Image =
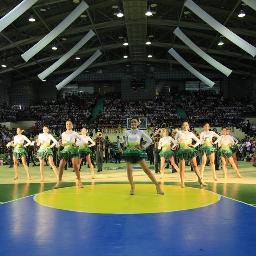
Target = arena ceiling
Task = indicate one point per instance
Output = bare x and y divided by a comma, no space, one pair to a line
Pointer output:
135,26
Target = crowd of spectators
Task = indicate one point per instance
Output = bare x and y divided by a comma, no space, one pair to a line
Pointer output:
169,110
195,107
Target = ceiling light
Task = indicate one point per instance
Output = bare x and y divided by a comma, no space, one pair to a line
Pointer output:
32,19
148,43
120,14
54,48
43,10
44,80
83,16
125,43
148,12
241,14
4,66
125,56
63,38
78,58
220,43
150,56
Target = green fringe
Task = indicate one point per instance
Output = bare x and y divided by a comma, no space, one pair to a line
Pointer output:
134,155
83,152
225,152
67,154
166,154
18,153
186,153
44,153
208,150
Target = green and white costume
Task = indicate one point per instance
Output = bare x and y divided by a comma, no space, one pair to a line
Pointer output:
19,148
84,144
165,145
70,150
225,143
133,138
186,150
45,150
206,142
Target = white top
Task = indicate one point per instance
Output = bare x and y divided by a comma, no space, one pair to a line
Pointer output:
69,137
133,138
225,140
208,136
186,137
20,139
165,143
84,141
44,139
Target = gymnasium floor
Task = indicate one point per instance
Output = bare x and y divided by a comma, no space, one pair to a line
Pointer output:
103,219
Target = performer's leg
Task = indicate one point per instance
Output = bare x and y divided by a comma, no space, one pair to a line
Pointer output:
234,166
162,166
204,159
24,162
234,156
130,178
88,160
79,163
212,164
76,169
196,169
54,168
182,172
224,166
15,167
151,176
62,165
173,164
41,161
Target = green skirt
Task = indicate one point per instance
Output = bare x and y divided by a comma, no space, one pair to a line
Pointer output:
227,153
208,150
186,153
83,152
18,153
166,154
44,153
67,154
134,155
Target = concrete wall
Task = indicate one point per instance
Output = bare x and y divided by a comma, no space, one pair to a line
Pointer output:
5,84
129,93
239,87
22,93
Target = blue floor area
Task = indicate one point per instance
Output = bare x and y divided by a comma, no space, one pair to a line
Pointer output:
225,228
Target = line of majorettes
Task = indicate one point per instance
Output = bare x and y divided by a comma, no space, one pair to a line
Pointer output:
76,147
